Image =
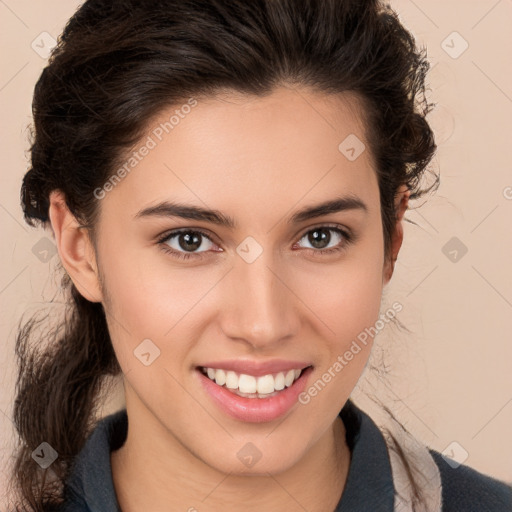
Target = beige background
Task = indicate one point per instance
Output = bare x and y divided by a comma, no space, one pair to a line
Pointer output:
450,381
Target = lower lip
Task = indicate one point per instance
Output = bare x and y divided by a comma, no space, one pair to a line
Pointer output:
255,410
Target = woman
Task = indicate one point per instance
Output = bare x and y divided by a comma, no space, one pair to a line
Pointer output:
226,183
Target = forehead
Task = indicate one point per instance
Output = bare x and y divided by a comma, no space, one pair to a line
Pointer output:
256,154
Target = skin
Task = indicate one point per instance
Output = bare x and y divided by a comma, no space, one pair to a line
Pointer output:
258,160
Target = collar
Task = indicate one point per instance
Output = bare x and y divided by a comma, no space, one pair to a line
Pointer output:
369,484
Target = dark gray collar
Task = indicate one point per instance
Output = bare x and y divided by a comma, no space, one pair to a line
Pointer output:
369,484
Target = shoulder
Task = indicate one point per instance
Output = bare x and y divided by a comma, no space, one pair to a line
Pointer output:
465,489
89,486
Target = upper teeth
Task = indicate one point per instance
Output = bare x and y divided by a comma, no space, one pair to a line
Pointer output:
249,384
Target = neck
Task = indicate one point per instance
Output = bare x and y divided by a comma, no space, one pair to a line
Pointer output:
153,472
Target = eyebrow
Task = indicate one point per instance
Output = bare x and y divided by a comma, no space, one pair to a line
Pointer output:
186,211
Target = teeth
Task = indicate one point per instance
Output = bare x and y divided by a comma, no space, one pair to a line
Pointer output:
248,385
220,377
264,385
289,378
279,381
231,379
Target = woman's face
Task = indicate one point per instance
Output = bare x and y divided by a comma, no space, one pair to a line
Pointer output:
261,293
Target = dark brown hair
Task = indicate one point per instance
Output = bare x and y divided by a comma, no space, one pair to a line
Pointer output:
117,64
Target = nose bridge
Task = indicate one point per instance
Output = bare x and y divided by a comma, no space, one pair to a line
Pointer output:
262,309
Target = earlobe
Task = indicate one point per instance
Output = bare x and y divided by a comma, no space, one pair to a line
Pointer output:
75,248
401,205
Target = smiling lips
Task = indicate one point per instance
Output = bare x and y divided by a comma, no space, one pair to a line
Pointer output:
253,391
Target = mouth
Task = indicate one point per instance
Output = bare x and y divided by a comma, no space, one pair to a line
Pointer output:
254,398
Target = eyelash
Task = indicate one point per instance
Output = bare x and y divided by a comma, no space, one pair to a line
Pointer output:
348,239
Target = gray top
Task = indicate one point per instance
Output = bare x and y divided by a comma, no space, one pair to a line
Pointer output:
369,485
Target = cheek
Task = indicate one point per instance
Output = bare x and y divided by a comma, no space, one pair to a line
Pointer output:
144,290
346,296
349,311
346,300
151,299
347,314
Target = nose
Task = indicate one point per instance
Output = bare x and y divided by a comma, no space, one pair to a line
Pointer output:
260,309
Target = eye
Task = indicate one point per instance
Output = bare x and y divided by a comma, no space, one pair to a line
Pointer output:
320,238
180,243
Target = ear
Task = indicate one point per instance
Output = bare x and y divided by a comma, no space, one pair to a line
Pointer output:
75,248
401,205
